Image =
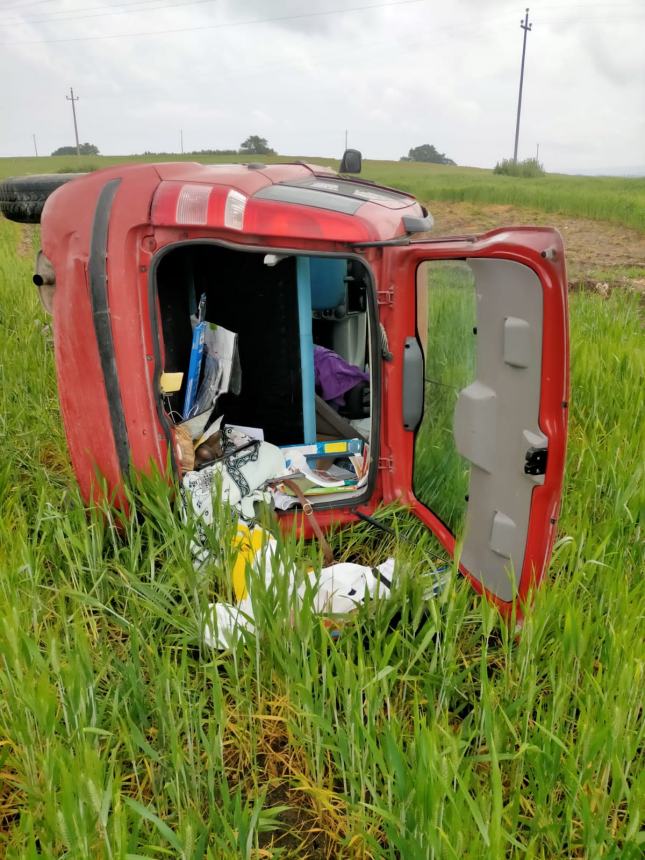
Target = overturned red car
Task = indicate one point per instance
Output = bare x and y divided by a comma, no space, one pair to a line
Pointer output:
459,343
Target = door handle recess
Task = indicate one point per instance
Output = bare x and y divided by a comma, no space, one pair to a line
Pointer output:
413,367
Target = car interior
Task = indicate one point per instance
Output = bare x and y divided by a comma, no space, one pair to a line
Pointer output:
298,320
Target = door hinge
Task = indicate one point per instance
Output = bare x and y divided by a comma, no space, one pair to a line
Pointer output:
386,463
385,297
535,461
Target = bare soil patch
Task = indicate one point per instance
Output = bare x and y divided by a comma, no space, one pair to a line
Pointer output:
25,247
599,254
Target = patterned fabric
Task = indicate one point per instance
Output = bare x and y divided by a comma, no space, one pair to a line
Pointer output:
234,463
240,475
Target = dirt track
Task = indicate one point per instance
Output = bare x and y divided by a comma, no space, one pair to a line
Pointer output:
598,252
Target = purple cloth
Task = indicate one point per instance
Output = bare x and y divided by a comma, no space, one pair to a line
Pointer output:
334,376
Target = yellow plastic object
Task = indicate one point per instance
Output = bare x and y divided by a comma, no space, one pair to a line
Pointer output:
248,543
335,447
170,382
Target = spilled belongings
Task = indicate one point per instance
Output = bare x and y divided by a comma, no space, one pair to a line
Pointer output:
333,593
243,472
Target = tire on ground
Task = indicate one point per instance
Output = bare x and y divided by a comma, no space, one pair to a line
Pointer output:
22,197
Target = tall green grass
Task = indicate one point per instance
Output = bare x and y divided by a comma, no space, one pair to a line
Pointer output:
621,201
441,474
422,731
530,168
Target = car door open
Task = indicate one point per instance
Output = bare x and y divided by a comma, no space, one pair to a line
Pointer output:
490,321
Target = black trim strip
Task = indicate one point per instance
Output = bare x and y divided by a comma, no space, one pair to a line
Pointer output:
381,577
97,271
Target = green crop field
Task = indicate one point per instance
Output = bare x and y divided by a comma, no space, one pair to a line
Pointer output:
621,201
427,729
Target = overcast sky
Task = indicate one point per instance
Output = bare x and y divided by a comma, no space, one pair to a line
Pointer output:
395,74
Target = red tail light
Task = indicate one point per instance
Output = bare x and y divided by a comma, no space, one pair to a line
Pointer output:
196,205
218,206
270,218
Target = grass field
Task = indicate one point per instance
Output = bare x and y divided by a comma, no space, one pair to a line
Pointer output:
441,474
620,201
415,734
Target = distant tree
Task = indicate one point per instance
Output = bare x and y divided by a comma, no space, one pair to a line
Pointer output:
86,149
427,153
256,145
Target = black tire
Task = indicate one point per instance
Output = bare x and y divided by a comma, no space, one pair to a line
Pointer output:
22,197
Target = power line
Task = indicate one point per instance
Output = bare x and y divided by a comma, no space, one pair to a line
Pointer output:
592,6
318,58
322,58
74,9
26,5
53,15
137,6
327,56
54,12
221,26
126,9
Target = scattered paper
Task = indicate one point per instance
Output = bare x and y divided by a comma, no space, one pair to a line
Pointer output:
251,432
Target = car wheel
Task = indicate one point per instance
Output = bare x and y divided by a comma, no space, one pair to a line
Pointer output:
22,197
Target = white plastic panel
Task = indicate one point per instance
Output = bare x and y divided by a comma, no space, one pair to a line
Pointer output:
476,425
503,535
517,342
496,417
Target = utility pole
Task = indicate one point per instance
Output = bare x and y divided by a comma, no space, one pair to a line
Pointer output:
181,140
526,27
537,152
35,147
345,139
72,98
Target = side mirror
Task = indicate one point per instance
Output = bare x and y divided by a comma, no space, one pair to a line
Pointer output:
351,162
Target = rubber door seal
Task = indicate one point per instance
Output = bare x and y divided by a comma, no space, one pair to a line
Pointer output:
97,270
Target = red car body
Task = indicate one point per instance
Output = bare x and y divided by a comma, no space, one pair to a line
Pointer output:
103,233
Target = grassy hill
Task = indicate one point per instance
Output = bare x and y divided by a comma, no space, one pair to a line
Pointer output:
620,201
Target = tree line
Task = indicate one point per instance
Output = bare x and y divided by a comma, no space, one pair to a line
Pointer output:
253,145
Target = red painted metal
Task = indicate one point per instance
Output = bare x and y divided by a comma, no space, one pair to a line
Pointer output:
540,249
132,243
